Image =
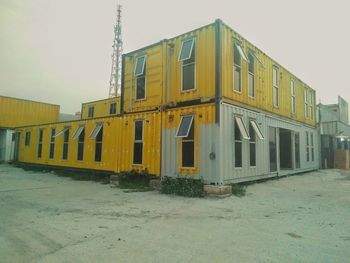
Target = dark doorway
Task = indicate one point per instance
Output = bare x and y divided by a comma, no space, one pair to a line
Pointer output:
286,159
272,149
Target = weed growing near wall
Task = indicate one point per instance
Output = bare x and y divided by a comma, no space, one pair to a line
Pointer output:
183,186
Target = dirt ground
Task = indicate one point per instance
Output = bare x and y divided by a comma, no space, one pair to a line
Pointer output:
47,218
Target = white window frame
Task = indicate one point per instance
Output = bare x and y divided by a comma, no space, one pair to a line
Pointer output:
96,130
292,96
93,111
311,104
138,141
275,87
242,128
252,74
257,129
241,52
191,50
189,127
78,131
306,103
61,132
187,64
143,66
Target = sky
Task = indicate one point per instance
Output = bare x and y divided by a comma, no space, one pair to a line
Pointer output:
59,51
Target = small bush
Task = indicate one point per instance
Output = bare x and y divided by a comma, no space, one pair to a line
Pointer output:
134,180
182,186
238,190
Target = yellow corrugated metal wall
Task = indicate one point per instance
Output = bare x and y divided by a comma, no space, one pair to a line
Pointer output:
17,112
263,79
203,114
101,107
117,147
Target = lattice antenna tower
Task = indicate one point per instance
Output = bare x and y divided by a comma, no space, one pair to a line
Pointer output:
115,80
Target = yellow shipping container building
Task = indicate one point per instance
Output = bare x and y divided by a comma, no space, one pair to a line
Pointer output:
206,104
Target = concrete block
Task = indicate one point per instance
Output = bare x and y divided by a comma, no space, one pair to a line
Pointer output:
113,180
218,190
155,184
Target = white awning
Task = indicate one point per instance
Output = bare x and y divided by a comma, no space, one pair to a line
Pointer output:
78,132
257,129
186,49
241,52
184,126
61,132
140,66
95,131
242,128
257,59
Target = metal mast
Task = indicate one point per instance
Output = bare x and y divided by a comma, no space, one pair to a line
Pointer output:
115,80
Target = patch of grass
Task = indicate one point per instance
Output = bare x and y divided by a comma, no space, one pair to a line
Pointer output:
238,190
182,186
135,181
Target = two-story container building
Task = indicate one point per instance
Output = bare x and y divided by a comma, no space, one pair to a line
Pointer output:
206,104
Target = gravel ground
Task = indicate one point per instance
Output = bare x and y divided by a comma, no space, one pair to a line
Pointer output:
47,218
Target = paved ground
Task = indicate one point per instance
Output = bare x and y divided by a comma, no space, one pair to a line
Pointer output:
46,218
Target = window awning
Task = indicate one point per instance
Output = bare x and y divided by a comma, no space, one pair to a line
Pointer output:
78,132
61,132
185,126
95,131
257,129
140,66
186,49
242,128
241,52
256,58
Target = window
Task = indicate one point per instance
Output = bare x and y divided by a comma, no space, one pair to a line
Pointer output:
239,132
61,132
27,139
297,150
292,95
186,132
275,86
80,136
52,143
65,144
306,101
97,135
188,58
40,143
140,74
307,147
138,142
251,75
91,112
257,130
184,127
238,55
113,108
312,146
98,145
252,145
311,105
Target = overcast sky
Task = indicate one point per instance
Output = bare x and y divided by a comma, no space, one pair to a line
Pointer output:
59,51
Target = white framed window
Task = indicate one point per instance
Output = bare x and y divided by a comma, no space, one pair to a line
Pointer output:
185,126
238,55
306,103
61,132
257,130
77,133
292,96
95,131
275,86
311,107
307,147
251,75
138,142
140,66
242,128
91,112
187,57
140,74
